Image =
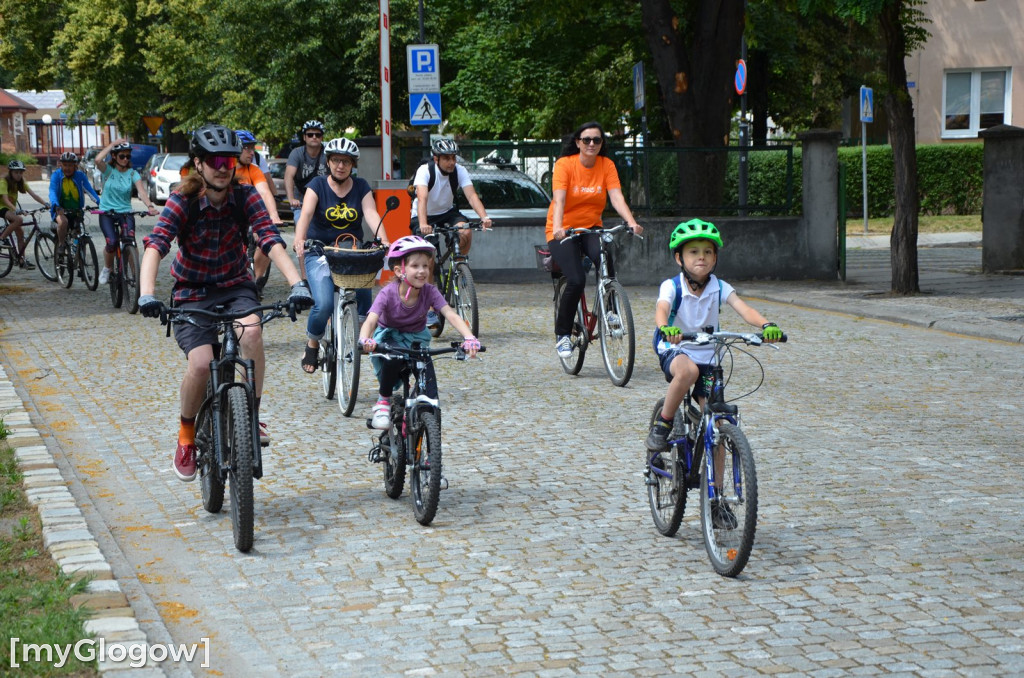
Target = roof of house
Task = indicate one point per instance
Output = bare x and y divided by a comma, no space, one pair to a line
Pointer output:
10,101
47,99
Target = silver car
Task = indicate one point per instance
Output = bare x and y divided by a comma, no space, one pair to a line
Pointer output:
163,170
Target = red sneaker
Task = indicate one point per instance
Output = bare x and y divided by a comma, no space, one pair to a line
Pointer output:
185,462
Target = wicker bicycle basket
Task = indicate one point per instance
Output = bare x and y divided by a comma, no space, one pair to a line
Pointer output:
352,267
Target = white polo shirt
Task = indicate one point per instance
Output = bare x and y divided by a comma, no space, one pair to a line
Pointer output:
694,313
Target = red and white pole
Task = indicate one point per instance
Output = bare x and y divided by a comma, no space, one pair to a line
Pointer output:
385,90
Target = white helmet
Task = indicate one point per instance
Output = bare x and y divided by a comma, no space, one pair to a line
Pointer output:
341,146
444,147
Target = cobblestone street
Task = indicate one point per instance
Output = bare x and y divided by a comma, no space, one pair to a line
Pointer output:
889,540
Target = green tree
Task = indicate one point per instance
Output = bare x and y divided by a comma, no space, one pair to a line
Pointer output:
28,29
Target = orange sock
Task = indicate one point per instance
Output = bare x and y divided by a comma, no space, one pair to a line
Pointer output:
187,432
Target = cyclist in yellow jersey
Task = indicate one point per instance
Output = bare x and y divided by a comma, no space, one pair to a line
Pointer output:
10,186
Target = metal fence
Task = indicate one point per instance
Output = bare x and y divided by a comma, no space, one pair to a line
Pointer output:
653,179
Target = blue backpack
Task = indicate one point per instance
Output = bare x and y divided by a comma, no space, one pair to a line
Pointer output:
677,298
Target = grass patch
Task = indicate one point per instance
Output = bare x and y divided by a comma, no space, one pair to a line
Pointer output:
955,223
34,594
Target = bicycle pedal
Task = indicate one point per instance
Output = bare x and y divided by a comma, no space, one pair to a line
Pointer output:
375,456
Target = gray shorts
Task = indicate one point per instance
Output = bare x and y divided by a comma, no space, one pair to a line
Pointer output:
237,298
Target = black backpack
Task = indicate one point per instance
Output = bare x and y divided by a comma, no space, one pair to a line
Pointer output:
432,177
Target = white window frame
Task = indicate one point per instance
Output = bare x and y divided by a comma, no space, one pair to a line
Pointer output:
974,119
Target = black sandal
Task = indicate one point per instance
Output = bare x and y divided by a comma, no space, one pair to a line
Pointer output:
311,358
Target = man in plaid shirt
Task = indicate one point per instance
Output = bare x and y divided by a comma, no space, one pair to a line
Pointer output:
211,269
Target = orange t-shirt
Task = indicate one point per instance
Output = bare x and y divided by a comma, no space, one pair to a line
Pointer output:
586,191
249,174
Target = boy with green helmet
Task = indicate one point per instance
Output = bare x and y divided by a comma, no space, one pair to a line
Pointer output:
687,303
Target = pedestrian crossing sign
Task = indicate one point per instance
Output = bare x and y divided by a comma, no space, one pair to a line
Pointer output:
425,108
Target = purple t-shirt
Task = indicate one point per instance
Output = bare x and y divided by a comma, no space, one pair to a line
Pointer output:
394,314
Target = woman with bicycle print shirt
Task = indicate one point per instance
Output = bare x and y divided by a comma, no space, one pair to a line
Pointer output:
335,205
584,180
118,180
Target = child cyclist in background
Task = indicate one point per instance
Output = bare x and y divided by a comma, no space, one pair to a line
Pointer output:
399,316
688,303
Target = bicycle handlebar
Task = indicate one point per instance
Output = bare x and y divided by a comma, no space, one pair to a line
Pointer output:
475,225
609,230
753,338
32,212
183,315
317,246
119,214
395,352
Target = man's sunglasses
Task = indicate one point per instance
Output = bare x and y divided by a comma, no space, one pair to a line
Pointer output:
221,162
316,135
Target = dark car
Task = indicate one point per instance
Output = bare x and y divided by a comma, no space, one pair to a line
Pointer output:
141,153
510,196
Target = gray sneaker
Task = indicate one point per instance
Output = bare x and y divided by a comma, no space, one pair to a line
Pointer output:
657,439
722,516
564,347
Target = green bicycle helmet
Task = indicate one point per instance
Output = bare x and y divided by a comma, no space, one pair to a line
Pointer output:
694,229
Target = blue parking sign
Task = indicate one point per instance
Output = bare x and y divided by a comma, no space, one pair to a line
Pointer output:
867,104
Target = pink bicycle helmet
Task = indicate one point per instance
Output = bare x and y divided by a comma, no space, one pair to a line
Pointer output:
408,244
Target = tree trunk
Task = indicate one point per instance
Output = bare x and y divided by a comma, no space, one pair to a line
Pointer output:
696,83
900,110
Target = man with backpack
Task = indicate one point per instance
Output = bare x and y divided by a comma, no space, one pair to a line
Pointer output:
305,162
210,220
435,184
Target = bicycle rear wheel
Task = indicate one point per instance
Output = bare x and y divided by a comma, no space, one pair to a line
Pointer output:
65,265
618,343
46,255
425,481
395,462
87,261
326,357
130,277
114,282
8,252
239,437
666,493
578,337
211,483
349,358
729,532
464,297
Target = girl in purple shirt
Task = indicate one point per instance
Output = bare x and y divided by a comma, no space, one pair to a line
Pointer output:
399,316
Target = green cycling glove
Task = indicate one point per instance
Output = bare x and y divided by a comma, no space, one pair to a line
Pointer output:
771,332
669,331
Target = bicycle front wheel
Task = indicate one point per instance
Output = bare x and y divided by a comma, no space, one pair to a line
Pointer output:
730,519
114,282
211,483
239,437
618,343
8,252
578,337
425,480
349,357
87,261
444,284
328,365
130,277
464,297
665,480
46,255
65,265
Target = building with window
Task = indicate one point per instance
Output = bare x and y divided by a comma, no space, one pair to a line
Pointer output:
969,76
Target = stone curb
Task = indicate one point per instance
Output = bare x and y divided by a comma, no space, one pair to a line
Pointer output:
71,544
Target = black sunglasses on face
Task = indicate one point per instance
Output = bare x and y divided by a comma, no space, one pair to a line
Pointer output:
124,156
590,140
314,134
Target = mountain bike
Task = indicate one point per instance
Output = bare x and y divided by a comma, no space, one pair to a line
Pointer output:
124,271
10,254
611,320
708,450
413,440
339,353
77,253
227,432
454,277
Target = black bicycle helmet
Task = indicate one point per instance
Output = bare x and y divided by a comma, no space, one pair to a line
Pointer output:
214,140
15,165
123,146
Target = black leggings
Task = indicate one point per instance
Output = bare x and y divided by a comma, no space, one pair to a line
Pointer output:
392,371
568,254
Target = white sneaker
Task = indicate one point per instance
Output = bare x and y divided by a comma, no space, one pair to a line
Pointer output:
381,416
564,347
104,275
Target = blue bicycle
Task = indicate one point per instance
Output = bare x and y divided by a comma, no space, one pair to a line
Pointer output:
708,450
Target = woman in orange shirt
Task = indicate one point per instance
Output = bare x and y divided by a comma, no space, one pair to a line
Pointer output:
583,181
